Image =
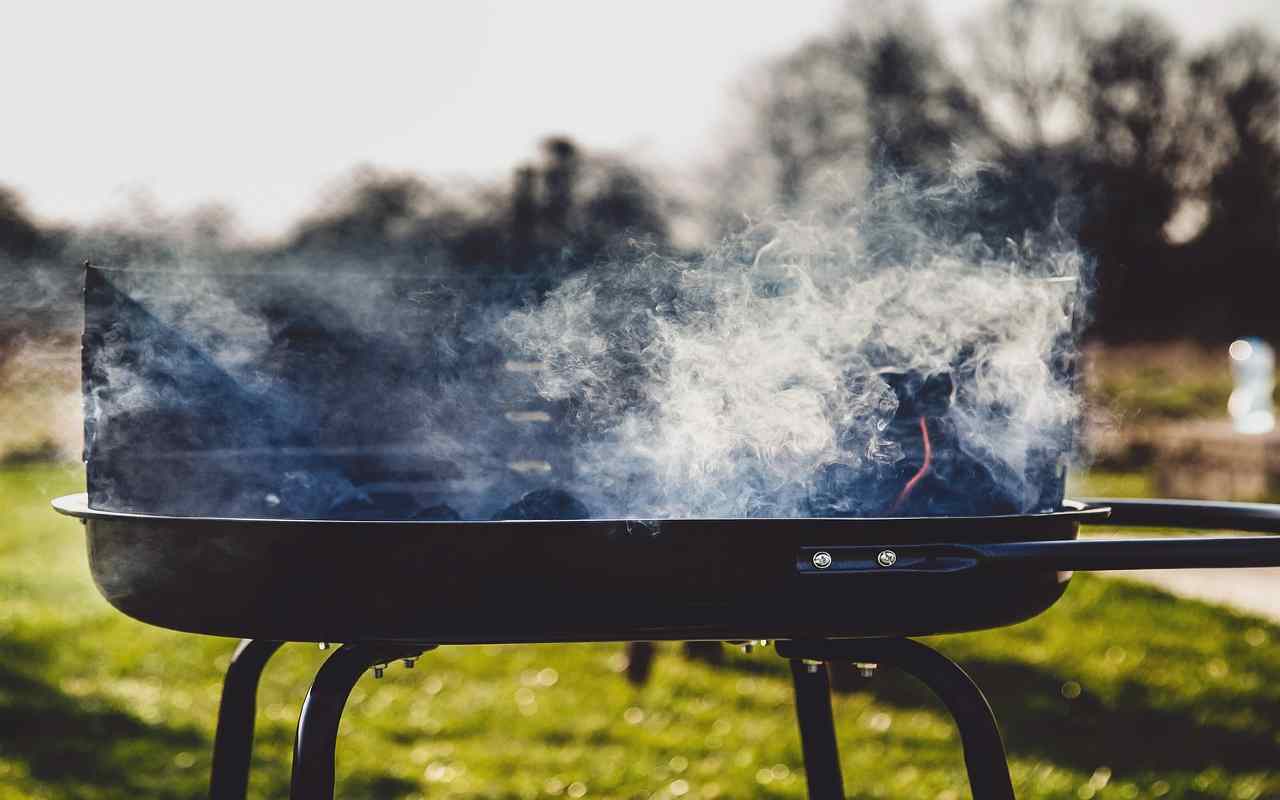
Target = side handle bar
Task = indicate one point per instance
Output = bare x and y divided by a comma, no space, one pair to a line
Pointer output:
1165,552
1188,514
1069,555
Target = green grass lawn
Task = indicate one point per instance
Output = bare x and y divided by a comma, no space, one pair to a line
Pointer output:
1117,692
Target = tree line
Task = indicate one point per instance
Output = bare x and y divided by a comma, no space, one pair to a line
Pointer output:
1162,160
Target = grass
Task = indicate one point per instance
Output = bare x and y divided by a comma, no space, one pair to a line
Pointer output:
1103,483
1119,691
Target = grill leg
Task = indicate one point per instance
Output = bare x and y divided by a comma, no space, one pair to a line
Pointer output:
817,730
639,662
233,739
315,747
984,755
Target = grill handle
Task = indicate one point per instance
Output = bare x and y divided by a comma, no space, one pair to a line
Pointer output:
1071,555
1093,555
1087,555
1197,514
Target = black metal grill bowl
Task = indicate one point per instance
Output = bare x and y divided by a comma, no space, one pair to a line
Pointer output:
597,580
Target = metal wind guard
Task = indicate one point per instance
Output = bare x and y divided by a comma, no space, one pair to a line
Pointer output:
252,395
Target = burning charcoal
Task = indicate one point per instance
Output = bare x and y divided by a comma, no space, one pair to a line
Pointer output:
545,504
355,506
923,403
946,480
919,395
841,491
379,505
438,513
391,505
317,495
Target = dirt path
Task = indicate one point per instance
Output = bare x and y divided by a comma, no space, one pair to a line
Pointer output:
1256,591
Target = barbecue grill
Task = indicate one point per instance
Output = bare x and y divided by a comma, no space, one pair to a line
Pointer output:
193,524
825,589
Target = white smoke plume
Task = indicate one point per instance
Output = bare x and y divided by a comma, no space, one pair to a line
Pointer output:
730,384
757,379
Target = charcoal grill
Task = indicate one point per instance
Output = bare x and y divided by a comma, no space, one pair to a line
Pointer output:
825,589
188,527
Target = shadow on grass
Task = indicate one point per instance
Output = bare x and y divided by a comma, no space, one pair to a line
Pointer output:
383,787
70,743
1133,730
1129,733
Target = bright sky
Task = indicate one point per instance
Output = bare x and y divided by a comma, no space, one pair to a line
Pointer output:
259,106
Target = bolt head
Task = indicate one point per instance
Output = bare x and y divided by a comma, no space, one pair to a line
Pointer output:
886,558
822,559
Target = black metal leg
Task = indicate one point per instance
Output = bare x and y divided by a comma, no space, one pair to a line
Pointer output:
984,754
233,739
315,747
817,730
708,652
639,662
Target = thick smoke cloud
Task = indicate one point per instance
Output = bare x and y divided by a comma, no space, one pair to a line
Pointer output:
738,384
784,373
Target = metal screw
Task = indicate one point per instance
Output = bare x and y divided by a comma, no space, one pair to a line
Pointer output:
812,666
378,669
324,645
865,668
408,663
886,558
822,559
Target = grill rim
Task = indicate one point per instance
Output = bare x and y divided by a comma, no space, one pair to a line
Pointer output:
77,505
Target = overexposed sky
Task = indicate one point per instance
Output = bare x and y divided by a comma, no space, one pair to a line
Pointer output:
260,105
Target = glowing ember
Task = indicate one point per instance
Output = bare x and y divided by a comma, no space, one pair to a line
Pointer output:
920,473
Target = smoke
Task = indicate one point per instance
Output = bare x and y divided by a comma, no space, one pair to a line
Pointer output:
738,383
789,371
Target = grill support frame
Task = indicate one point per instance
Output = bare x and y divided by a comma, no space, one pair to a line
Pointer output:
233,738
315,745
984,753
821,753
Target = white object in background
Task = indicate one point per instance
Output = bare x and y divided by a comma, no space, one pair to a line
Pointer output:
1253,365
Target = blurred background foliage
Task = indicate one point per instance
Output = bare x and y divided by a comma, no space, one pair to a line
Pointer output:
1164,161
1093,121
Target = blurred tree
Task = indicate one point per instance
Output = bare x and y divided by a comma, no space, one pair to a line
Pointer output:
1129,155
20,237
1235,192
1090,121
27,289
876,93
1027,60
563,212
919,110
559,174
373,212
